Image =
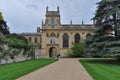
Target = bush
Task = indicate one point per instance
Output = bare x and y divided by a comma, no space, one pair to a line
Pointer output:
16,43
76,51
2,38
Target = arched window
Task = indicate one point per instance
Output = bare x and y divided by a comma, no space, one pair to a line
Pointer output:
65,41
29,38
88,35
52,35
52,21
47,35
77,38
52,38
35,40
57,35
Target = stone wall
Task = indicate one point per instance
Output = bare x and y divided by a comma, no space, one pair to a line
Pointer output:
10,55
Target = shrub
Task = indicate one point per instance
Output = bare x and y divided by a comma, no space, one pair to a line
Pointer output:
76,51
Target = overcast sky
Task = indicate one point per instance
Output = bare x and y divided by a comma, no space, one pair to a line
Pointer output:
26,15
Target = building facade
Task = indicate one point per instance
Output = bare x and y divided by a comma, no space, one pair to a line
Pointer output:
55,38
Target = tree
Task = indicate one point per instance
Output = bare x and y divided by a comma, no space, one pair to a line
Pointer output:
1,17
3,26
76,51
101,44
19,42
108,13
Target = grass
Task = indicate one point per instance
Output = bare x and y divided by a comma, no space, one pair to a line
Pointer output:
102,69
15,70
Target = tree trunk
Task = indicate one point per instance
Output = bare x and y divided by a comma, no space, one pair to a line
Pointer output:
115,26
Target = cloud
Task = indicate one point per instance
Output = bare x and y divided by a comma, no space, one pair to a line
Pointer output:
26,15
32,6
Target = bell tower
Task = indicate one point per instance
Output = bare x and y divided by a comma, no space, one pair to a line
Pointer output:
52,17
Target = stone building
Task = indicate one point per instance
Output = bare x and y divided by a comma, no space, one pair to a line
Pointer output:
54,37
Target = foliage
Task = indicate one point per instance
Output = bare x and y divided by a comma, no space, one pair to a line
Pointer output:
76,51
16,70
108,14
16,43
3,27
14,53
99,69
101,44
19,42
1,17
2,41
2,38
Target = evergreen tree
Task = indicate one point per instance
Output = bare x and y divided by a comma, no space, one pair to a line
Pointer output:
107,19
108,13
3,26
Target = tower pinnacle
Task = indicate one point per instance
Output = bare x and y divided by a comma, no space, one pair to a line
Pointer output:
47,9
58,8
70,22
82,22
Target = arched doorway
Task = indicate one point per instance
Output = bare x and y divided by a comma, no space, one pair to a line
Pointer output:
52,52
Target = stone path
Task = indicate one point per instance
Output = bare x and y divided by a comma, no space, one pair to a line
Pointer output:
64,69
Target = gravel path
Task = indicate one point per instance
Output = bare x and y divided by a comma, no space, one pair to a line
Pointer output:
64,69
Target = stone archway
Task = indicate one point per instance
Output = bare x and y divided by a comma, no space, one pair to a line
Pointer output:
52,52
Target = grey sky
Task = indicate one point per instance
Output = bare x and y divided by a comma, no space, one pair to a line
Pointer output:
26,15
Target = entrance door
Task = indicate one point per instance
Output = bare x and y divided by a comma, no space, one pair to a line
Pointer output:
52,52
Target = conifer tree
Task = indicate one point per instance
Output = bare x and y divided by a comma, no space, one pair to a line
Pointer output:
107,20
3,26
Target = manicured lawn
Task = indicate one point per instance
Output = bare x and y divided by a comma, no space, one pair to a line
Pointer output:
15,70
102,69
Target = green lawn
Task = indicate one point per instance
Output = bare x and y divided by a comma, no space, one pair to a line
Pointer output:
102,69
15,70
